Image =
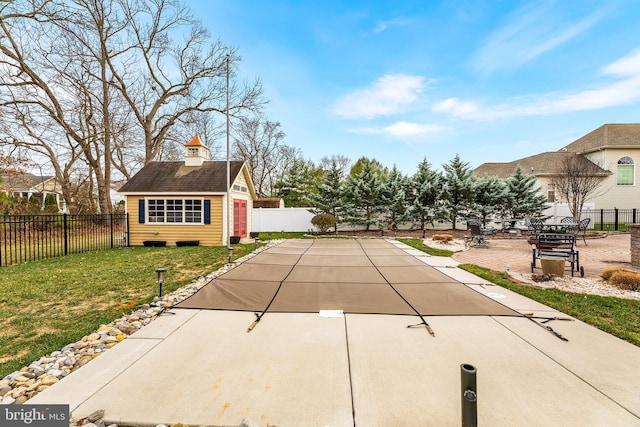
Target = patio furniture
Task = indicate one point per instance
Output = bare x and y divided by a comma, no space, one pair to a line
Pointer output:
509,226
570,224
478,234
583,225
557,246
535,226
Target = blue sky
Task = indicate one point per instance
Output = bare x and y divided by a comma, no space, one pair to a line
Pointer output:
401,80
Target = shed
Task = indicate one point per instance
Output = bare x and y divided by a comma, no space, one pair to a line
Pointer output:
176,202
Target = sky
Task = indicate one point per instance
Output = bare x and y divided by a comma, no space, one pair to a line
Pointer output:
400,81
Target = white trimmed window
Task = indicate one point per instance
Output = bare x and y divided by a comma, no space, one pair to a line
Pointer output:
626,171
175,211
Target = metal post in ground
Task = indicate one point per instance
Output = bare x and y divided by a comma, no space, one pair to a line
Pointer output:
469,396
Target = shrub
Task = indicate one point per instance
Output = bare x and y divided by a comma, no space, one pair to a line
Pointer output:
624,279
444,238
606,274
542,277
323,222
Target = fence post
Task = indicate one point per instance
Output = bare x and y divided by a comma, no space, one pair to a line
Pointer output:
633,215
111,228
601,219
615,221
66,234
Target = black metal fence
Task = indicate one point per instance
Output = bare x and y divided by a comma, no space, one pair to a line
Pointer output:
612,219
26,238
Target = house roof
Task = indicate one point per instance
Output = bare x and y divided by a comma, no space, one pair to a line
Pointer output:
539,165
23,182
625,135
175,177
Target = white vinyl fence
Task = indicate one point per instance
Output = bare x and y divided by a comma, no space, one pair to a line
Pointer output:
279,219
299,219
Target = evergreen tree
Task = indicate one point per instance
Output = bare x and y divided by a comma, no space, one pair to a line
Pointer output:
425,185
457,191
328,194
523,198
363,192
490,195
296,186
394,199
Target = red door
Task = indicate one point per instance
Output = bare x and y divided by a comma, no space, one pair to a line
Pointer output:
240,218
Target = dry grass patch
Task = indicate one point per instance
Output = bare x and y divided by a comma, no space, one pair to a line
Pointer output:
622,279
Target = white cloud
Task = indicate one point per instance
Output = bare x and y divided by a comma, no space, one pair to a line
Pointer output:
624,90
456,108
531,31
384,25
403,129
626,66
389,95
400,130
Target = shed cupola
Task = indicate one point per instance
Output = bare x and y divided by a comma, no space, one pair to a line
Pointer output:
196,152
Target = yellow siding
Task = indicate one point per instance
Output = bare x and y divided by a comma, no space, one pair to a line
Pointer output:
208,234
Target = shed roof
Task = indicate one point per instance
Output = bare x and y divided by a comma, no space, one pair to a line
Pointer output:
175,177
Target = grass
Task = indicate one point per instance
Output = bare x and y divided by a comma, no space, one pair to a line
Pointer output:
417,244
268,235
618,316
48,304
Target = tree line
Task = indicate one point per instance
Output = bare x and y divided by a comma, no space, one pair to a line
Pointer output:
97,88
372,196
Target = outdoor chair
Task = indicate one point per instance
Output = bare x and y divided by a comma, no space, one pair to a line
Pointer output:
582,229
478,234
571,224
535,226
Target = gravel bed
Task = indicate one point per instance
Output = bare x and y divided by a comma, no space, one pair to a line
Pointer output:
581,285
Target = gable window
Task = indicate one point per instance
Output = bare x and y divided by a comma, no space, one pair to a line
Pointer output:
175,211
626,171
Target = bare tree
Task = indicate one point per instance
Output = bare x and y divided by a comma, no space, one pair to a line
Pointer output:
259,143
336,160
576,180
110,84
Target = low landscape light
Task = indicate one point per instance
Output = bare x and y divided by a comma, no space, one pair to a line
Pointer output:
230,250
162,274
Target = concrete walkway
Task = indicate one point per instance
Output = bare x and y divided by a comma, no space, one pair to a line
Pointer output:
201,367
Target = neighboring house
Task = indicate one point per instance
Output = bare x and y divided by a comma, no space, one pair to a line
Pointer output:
32,186
186,201
613,148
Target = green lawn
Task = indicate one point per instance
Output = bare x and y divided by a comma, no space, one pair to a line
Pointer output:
48,304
